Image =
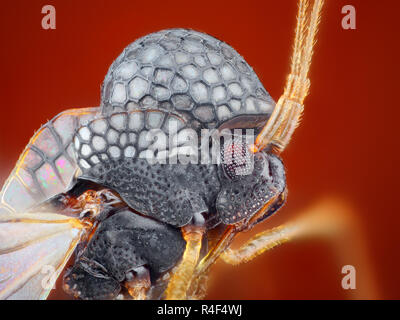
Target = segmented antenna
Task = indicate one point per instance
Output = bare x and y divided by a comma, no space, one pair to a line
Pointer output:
286,115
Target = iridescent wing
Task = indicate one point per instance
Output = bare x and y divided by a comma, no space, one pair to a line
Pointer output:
34,248
47,165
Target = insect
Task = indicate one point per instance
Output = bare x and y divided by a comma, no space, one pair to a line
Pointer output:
100,184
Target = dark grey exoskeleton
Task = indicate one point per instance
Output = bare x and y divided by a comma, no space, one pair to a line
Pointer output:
159,97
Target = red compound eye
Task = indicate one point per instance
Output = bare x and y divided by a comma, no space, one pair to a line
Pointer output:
236,158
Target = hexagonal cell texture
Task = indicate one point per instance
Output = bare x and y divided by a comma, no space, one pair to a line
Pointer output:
193,73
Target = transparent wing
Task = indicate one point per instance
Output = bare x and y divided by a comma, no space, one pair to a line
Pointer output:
47,165
34,249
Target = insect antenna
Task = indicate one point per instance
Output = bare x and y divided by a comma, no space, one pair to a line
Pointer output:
287,112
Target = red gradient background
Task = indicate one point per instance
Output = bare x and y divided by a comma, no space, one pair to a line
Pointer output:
346,146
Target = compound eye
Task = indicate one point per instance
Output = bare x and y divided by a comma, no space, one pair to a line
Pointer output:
236,158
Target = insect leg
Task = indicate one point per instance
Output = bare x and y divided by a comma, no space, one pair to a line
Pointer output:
327,219
198,288
228,236
181,279
330,219
261,242
140,283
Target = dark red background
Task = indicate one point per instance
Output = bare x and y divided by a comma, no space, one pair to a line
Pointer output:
346,146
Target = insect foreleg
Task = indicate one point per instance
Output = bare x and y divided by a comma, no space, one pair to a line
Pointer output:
139,284
181,279
327,219
198,288
261,242
330,219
